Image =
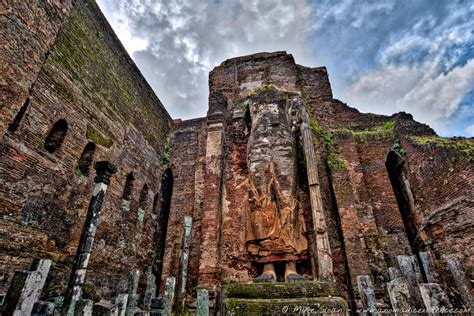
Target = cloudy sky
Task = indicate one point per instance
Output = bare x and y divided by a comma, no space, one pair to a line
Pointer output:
382,56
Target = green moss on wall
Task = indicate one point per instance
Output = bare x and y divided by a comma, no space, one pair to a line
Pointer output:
386,130
460,144
88,61
93,135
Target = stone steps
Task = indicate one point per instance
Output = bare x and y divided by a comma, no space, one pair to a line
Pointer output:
278,298
286,306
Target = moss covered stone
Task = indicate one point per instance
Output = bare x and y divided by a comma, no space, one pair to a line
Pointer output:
293,306
460,144
280,290
93,135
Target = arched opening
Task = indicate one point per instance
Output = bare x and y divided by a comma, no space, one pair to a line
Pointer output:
163,205
128,188
86,158
13,126
143,200
401,187
56,136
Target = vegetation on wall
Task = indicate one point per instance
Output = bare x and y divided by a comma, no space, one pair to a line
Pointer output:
460,144
95,136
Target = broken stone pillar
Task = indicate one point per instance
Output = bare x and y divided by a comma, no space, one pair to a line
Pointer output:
43,308
186,243
323,250
367,294
410,270
435,299
104,170
105,308
461,280
400,298
133,297
393,273
121,300
133,283
169,295
150,290
25,288
428,266
202,308
84,307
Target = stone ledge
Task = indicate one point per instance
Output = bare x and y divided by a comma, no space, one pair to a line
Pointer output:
280,290
292,306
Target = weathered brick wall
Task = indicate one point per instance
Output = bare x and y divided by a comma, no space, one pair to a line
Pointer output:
89,80
28,29
441,175
188,144
365,226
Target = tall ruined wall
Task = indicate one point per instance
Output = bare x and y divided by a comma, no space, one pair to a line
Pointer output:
27,32
89,81
367,221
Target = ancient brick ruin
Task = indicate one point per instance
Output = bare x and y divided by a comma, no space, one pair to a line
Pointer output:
108,206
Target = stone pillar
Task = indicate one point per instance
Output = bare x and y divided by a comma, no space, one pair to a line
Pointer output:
367,294
84,308
121,301
399,296
202,302
25,288
133,298
104,170
169,295
435,299
210,223
410,270
461,280
150,290
185,246
428,266
323,250
393,273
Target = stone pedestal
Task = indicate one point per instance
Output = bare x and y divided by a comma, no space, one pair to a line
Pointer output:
283,298
25,288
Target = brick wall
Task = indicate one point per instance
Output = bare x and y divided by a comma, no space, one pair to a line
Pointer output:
88,80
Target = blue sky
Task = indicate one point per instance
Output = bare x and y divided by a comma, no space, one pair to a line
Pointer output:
382,56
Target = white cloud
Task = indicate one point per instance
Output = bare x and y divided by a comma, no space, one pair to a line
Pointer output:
431,97
470,130
383,56
176,43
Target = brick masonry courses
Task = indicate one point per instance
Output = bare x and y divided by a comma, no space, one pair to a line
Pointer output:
64,62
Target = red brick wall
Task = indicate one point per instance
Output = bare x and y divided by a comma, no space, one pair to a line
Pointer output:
89,80
27,32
